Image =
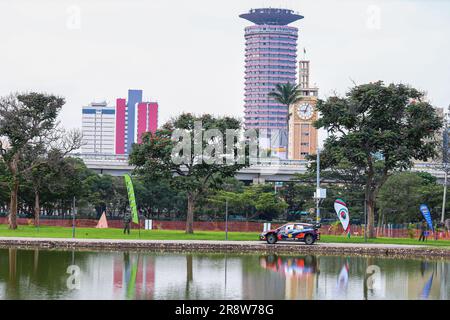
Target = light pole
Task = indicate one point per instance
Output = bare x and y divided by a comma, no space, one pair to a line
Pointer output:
444,198
73,219
445,162
226,219
365,220
318,187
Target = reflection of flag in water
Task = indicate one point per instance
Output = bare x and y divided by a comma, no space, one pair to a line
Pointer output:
427,288
343,277
131,285
134,278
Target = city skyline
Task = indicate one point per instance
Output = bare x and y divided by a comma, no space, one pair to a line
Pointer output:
377,40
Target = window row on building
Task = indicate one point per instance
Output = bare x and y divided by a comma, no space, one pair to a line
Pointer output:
270,49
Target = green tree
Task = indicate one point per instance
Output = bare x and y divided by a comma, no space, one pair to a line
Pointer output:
378,129
399,198
260,200
101,192
402,194
196,173
3,187
286,94
339,183
43,162
25,119
158,197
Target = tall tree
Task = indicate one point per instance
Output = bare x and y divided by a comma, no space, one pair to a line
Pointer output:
43,162
378,129
203,166
24,120
286,94
259,199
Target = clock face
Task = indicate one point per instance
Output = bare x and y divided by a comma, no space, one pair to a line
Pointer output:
305,111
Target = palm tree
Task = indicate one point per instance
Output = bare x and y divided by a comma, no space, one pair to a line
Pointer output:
287,94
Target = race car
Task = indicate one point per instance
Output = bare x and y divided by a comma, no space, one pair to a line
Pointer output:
304,232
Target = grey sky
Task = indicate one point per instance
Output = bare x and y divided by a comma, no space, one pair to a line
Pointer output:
189,55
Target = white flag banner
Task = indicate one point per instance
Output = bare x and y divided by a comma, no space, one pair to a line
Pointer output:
342,211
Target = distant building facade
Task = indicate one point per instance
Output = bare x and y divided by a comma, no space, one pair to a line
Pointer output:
113,130
147,119
270,59
303,136
98,126
134,98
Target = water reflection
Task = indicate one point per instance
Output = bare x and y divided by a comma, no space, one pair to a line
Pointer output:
44,274
300,274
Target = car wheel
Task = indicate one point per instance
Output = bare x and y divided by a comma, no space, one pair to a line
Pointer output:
271,239
309,239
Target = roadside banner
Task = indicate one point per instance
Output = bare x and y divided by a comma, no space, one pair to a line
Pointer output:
342,212
131,198
427,215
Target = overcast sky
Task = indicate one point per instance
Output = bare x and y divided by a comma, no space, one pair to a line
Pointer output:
189,55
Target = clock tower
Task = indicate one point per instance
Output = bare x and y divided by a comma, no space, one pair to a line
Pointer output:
303,137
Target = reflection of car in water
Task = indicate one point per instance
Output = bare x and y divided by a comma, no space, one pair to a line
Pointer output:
290,266
305,232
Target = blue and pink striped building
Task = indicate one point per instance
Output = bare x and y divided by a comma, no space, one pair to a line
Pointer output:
109,130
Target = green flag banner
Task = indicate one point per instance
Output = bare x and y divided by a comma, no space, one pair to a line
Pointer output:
131,288
131,198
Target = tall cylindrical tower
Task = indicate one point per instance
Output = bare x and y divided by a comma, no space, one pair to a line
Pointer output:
270,59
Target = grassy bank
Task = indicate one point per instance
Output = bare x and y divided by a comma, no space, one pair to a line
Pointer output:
92,233
402,241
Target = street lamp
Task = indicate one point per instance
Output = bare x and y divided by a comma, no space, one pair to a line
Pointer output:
445,163
320,194
318,187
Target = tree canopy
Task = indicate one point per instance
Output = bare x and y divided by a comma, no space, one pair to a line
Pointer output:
198,165
378,129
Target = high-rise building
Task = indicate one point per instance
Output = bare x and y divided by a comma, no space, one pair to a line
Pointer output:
133,118
121,126
303,136
270,59
134,98
113,130
98,126
147,119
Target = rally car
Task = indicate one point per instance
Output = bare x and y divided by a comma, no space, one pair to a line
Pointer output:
304,232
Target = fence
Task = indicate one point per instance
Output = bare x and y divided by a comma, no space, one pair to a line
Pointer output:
388,231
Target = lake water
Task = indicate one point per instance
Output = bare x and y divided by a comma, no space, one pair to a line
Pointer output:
40,274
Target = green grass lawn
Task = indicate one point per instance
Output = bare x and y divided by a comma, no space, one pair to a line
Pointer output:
92,233
403,241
